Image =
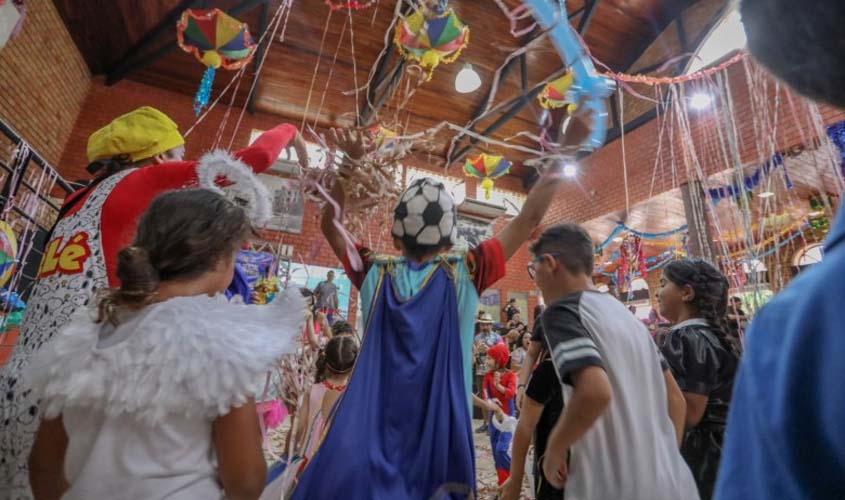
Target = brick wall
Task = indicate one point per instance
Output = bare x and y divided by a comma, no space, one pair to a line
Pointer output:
104,103
43,81
601,190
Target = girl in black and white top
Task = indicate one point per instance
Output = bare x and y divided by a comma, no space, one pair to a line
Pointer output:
694,297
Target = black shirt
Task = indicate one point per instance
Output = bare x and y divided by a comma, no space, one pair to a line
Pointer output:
702,364
545,389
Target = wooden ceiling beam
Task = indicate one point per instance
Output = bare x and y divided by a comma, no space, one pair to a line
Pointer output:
128,66
166,24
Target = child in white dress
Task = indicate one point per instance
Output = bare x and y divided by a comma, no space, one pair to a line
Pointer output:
153,397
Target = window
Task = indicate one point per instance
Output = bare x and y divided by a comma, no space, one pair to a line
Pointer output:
728,36
455,186
510,200
316,155
810,255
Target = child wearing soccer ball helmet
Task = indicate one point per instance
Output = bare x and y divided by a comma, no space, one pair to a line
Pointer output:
406,409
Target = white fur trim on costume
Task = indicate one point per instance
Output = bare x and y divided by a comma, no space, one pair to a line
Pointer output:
193,356
219,163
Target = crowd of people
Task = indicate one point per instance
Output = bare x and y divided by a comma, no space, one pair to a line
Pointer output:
152,392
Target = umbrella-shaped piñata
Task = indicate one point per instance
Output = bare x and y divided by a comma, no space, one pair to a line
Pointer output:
8,253
488,168
553,95
216,40
430,38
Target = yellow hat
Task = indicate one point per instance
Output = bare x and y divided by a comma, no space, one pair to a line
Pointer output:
140,134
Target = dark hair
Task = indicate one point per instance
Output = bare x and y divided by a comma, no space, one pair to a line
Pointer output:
711,292
801,44
337,357
571,243
181,235
342,327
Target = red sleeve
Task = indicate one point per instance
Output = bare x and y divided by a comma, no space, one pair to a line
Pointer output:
357,277
509,382
486,264
267,148
486,385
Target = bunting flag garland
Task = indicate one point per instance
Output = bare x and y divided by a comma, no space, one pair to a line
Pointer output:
218,41
750,181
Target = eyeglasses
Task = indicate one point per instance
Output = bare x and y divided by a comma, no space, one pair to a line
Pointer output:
532,266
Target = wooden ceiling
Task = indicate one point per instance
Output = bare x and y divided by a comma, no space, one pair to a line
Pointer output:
127,38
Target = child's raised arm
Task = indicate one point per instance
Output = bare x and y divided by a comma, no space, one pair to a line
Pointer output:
240,459
46,461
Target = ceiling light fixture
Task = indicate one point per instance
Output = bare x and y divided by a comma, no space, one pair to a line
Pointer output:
701,101
570,170
467,80
618,239
766,194
817,213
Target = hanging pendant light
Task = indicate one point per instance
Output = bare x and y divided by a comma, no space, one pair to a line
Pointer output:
467,80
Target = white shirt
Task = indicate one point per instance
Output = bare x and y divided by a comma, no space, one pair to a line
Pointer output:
138,400
631,451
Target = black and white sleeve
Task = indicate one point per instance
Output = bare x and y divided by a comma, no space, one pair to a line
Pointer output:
571,345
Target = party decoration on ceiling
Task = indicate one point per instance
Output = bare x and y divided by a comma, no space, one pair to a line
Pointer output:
429,38
8,253
589,90
749,182
488,168
836,132
382,136
553,95
218,41
350,4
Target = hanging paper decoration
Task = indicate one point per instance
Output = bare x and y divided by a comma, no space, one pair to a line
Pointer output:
216,40
431,38
553,95
487,168
749,182
382,136
349,4
818,217
8,253
632,259
836,132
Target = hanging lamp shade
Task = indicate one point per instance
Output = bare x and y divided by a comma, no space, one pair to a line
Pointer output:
429,38
553,95
487,168
217,40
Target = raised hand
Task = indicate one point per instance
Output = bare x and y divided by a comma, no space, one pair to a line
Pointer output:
354,143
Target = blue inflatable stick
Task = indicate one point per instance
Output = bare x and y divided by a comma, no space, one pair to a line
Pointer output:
589,89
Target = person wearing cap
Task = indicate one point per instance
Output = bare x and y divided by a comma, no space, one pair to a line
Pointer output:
134,158
407,407
486,338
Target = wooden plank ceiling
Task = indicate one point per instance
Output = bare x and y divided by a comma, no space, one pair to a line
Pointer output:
617,33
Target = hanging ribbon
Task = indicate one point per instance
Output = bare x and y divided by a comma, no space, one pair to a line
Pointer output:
750,181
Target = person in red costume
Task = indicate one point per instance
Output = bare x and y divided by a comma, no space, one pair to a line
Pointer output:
134,158
499,385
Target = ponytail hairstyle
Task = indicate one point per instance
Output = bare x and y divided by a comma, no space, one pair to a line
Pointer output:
711,293
182,235
338,357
